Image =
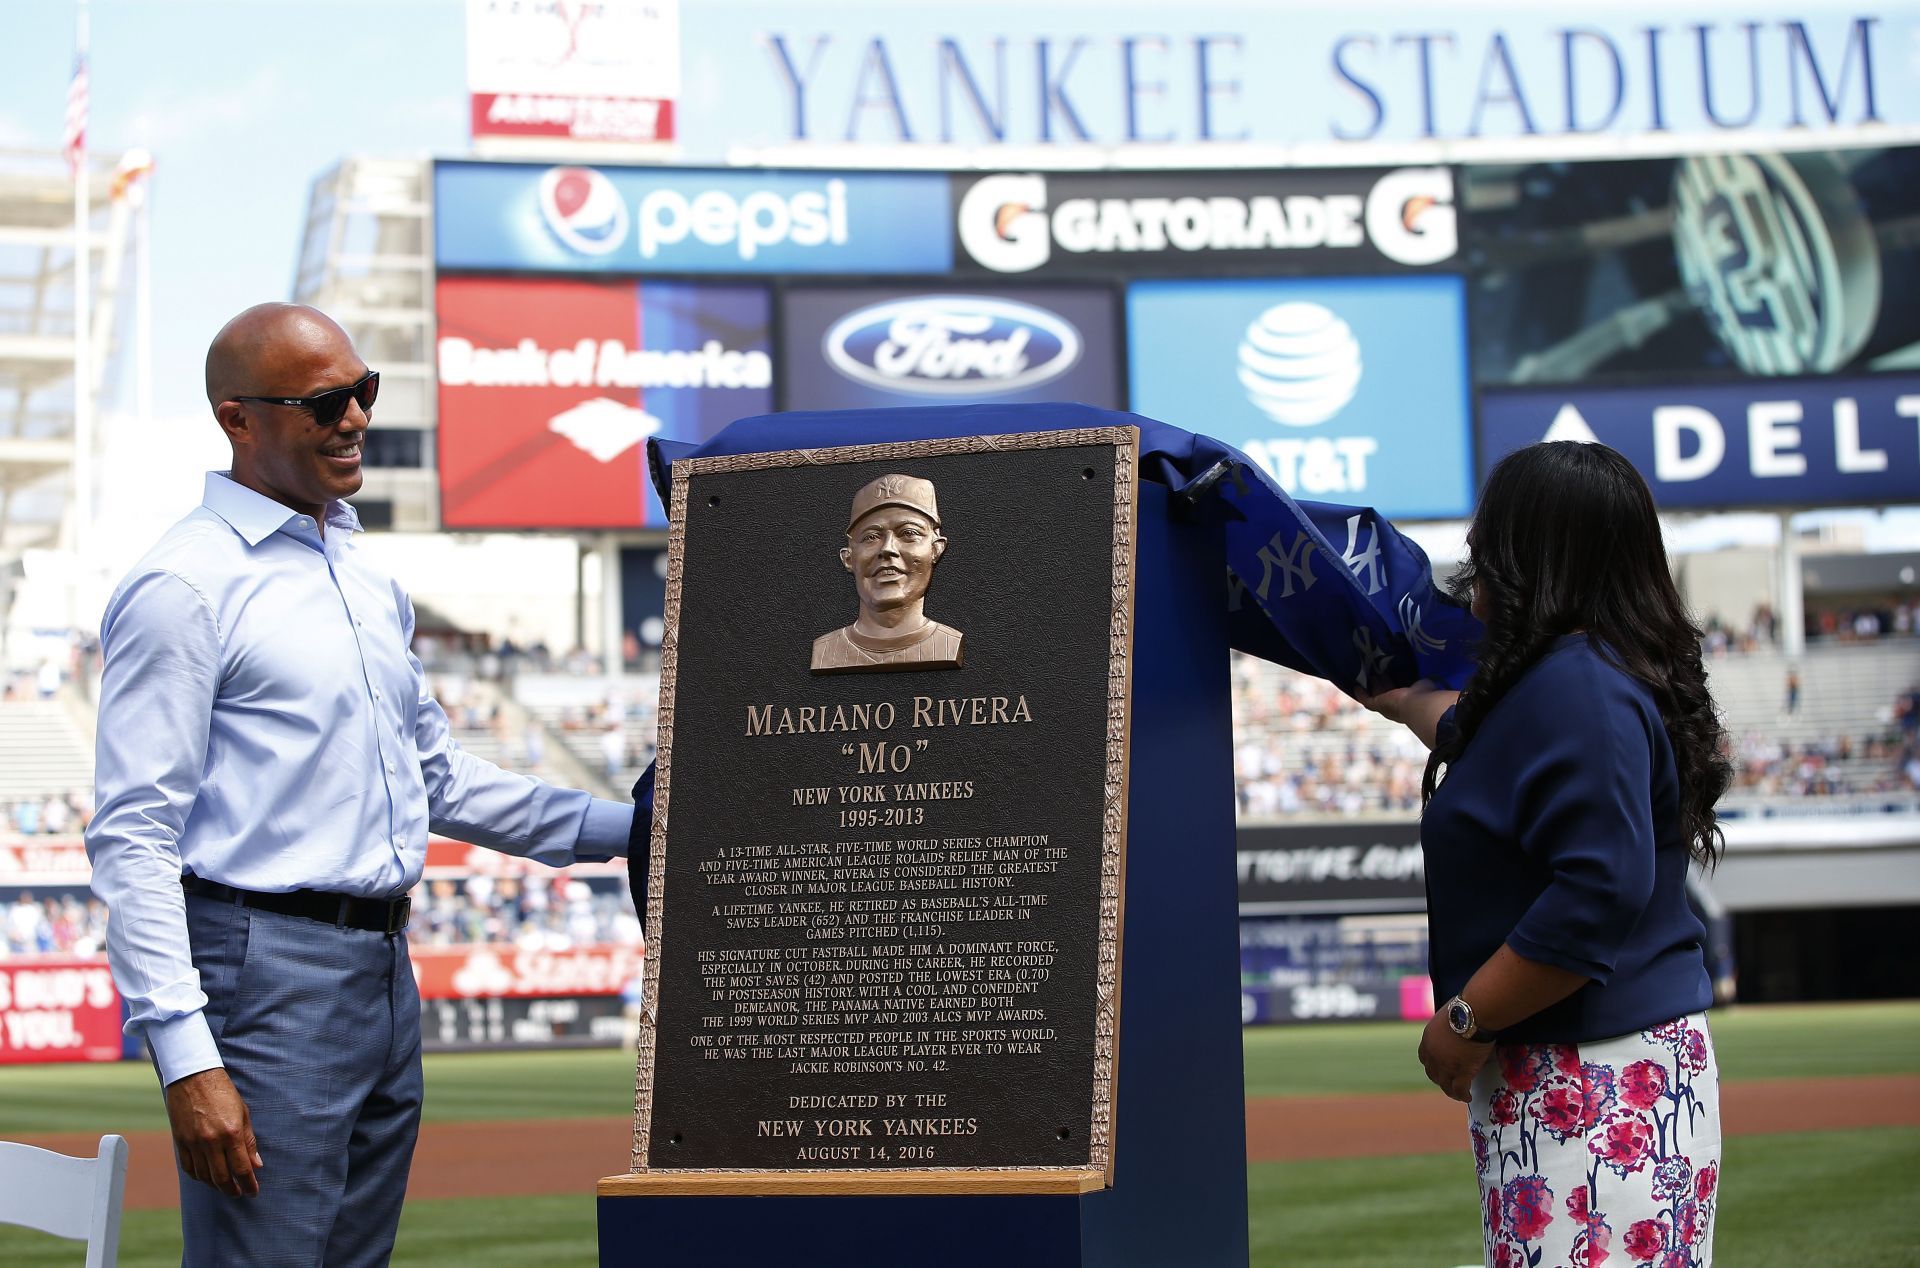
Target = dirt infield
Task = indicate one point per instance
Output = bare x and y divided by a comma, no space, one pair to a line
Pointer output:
511,1157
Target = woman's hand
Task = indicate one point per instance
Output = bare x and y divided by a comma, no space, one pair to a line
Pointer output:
1418,708
1450,1061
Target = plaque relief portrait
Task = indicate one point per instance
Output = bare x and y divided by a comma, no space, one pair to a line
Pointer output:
893,543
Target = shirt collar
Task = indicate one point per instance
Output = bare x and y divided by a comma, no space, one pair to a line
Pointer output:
256,517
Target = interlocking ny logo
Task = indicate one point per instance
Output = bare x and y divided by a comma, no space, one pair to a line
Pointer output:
1410,622
1292,562
1373,660
1368,559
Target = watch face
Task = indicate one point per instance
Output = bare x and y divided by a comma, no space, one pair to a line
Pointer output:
1459,1017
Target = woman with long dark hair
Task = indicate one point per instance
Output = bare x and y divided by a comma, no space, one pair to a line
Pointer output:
1570,785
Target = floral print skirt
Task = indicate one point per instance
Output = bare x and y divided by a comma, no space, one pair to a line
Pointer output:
1600,1153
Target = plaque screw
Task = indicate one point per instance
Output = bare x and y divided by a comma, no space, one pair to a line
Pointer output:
1064,1133
714,500
676,1137
1086,473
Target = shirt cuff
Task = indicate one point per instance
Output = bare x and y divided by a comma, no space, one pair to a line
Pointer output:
604,830
182,1045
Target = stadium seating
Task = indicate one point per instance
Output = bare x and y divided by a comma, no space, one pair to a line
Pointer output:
43,750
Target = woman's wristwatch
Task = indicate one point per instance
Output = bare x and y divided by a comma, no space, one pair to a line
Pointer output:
1460,1020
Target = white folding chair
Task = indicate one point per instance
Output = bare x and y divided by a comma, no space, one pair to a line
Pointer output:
75,1198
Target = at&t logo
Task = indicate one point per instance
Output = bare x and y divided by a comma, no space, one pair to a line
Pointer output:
583,210
1300,364
944,345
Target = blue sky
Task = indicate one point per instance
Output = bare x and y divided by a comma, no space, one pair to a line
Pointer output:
243,103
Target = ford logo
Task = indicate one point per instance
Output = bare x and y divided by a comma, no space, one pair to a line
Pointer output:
946,345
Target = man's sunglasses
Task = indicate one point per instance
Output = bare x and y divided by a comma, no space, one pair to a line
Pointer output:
330,406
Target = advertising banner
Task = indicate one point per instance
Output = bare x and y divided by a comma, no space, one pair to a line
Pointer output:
549,387
607,71
1344,389
1318,968
1178,81
1665,270
1341,220
674,220
58,1009
44,860
852,347
1757,443
506,972
1331,867
588,1021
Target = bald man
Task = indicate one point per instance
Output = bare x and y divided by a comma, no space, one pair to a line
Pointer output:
269,765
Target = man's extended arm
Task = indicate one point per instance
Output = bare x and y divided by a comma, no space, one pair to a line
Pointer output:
473,800
161,645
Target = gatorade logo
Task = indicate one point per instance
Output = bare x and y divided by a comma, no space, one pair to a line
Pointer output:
1006,223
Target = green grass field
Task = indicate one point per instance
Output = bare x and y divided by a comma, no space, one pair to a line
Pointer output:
1840,1198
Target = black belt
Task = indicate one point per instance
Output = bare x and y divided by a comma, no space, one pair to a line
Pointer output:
381,915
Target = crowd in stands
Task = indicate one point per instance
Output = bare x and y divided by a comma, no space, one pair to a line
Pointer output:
64,814
1766,767
1304,748
1762,629
71,923
1894,618
1301,746
534,913
1847,623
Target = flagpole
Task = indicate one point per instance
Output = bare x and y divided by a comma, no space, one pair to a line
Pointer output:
82,326
143,301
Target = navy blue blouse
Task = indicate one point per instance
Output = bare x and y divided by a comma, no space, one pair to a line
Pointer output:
1557,831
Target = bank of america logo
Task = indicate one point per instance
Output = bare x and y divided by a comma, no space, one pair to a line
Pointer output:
1299,363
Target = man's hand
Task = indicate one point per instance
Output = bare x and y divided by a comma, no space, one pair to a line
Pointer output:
213,1133
1450,1061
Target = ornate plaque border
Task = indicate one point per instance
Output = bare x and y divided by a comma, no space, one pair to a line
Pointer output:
1126,444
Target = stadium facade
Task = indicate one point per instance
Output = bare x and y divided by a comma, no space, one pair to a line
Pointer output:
1373,251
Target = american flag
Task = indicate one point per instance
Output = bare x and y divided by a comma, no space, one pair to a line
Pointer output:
75,141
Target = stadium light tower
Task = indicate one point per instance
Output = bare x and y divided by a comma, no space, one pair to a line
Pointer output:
41,452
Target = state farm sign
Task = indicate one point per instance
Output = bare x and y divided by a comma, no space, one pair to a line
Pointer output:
58,1010
497,972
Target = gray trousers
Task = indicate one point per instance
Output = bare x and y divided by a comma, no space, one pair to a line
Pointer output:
319,1028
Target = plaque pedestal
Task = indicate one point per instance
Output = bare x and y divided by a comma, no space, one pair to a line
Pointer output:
1179,1192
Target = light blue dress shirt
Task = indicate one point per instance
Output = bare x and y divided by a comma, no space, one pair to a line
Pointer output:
265,724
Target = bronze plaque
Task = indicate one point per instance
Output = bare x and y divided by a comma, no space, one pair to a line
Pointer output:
890,809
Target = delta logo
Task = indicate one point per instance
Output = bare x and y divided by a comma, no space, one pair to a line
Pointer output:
583,210
947,345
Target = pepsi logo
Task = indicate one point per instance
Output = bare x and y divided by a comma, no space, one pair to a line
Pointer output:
1299,363
946,345
583,209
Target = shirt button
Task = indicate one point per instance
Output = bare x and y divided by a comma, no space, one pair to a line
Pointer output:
376,693
389,768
